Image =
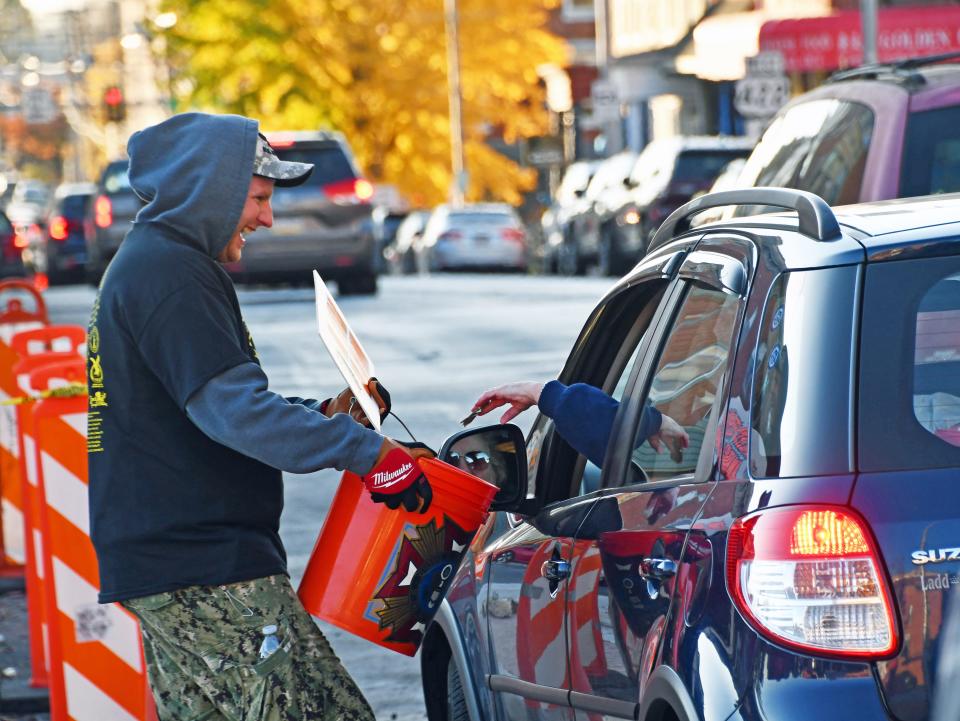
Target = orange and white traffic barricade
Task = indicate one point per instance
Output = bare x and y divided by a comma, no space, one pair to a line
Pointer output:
21,308
97,672
29,345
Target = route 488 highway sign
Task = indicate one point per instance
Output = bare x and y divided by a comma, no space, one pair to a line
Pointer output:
764,89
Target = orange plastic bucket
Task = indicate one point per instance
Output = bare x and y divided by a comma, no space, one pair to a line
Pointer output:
381,574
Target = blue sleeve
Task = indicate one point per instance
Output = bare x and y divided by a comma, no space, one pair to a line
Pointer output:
584,414
236,410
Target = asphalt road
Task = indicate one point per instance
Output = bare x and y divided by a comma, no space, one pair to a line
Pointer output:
437,343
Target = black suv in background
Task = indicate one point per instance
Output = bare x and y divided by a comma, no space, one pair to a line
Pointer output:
324,224
793,561
113,209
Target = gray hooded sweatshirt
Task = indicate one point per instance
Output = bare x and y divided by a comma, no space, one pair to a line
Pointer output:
186,442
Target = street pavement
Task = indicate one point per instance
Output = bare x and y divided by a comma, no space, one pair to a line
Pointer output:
437,343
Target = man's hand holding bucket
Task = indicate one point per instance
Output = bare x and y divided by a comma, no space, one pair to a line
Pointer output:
396,477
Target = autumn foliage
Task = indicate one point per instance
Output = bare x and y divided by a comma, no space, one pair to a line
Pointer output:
376,71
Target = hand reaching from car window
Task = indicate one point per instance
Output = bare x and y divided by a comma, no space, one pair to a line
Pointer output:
672,437
519,396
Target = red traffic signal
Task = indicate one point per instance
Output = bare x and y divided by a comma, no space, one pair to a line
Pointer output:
114,106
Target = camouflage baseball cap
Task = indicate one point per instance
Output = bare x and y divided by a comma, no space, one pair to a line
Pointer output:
285,173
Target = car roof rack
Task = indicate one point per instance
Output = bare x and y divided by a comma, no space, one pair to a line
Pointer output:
816,218
900,70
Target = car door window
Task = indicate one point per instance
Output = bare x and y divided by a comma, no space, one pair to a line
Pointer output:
683,390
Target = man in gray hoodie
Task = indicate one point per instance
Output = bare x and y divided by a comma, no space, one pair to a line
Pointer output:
186,443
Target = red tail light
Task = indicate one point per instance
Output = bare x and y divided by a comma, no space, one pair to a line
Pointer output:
103,212
346,192
514,235
810,578
59,228
21,239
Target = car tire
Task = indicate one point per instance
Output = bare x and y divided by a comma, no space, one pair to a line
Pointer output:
358,285
456,701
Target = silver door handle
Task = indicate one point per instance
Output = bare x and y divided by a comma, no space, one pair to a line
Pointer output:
555,570
657,568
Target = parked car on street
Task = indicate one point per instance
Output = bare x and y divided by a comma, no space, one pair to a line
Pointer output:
608,188
28,203
666,175
111,213
12,244
324,224
555,222
401,254
477,236
882,131
64,246
790,563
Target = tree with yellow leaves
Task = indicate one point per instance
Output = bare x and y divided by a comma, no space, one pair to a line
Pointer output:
376,71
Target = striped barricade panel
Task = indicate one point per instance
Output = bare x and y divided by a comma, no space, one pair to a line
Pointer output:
21,308
97,668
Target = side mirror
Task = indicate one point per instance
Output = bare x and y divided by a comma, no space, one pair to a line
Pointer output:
495,454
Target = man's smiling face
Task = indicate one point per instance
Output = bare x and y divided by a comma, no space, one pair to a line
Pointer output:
256,213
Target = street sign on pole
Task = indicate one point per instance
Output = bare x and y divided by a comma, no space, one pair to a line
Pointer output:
764,89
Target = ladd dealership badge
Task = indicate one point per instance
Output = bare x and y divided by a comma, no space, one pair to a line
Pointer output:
416,577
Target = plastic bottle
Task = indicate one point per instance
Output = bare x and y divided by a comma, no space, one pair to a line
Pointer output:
270,642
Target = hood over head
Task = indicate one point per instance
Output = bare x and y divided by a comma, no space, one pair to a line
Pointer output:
193,171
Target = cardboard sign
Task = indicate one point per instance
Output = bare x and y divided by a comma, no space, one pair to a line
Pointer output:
344,347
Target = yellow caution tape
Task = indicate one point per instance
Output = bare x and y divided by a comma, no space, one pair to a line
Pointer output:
71,390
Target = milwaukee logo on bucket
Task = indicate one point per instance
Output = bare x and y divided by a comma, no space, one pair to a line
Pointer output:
388,478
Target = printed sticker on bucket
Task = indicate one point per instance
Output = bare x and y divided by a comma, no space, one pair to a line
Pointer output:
416,577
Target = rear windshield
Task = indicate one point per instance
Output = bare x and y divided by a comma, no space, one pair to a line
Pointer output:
910,356
700,165
481,219
75,206
931,153
330,164
115,179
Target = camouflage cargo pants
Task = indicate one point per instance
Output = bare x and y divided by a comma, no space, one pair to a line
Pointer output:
202,647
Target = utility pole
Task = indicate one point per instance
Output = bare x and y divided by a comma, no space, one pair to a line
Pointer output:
868,17
456,110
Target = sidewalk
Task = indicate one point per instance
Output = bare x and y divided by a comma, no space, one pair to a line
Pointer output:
18,701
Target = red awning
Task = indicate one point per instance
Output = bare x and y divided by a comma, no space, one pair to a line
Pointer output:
835,41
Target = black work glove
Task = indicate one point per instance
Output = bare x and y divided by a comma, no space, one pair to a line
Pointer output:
396,477
346,403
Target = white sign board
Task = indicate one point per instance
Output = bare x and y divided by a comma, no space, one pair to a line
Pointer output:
344,347
606,103
760,96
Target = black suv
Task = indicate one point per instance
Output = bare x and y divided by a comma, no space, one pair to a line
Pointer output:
112,211
792,562
324,224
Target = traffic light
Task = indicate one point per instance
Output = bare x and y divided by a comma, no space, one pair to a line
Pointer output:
114,106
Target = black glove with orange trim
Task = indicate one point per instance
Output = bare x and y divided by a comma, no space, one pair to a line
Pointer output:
396,477
346,403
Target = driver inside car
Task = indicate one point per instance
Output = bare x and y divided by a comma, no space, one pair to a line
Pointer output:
583,416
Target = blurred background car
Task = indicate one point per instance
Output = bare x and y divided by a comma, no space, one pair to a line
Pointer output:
325,224
64,247
477,236
608,188
28,203
110,214
666,175
401,253
11,248
555,222
890,130
386,221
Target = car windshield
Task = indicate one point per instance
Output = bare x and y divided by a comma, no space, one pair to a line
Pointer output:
115,179
461,219
931,153
910,382
700,165
330,164
75,206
